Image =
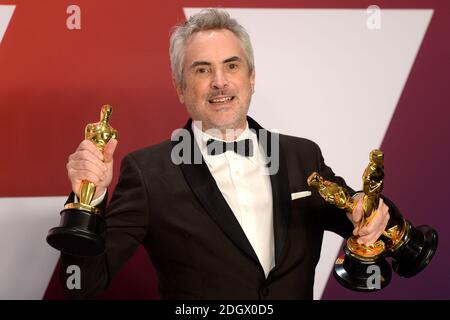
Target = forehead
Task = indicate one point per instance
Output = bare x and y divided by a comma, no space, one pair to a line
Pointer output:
212,46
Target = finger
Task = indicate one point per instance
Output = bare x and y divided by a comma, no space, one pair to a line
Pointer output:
80,175
380,218
385,223
383,208
373,236
364,231
370,238
374,224
88,166
85,155
358,212
87,145
96,167
109,150
355,231
84,174
380,203
377,221
366,240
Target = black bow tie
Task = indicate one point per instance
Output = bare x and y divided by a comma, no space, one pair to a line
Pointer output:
242,147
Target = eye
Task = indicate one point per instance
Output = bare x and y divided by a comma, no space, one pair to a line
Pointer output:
201,70
232,66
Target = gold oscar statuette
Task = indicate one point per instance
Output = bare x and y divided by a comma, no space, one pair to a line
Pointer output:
81,226
411,248
98,133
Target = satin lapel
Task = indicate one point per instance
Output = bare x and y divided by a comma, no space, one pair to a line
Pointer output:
279,180
207,192
281,206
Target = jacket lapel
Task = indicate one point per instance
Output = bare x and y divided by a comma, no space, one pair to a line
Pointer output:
207,192
281,207
280,187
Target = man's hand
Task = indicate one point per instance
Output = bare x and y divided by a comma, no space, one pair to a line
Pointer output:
89,163
369,233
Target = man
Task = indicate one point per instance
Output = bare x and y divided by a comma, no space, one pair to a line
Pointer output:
224,227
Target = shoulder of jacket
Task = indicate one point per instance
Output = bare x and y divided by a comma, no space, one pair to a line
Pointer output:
288,141
151,155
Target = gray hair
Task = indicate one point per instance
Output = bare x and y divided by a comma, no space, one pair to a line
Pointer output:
207,19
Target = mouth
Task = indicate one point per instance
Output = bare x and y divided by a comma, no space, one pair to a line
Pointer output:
220,100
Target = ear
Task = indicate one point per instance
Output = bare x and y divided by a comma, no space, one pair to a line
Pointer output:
179,90
252,81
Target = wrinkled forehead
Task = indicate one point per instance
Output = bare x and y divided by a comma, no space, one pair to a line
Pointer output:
213,46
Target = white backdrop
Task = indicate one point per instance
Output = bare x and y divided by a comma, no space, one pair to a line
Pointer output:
27,262
6,13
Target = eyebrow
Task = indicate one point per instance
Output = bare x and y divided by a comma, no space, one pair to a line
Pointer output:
199,63
234,58
206,63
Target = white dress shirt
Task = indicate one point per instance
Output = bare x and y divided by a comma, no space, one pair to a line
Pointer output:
245,185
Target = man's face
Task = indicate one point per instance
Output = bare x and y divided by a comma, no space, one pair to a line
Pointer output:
217,85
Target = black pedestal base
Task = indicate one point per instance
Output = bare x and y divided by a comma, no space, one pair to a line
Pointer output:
79,233
412,257
359,275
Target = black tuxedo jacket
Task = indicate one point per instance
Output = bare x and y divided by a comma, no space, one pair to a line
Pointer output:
194,241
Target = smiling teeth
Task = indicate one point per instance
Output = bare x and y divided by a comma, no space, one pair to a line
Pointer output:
221,100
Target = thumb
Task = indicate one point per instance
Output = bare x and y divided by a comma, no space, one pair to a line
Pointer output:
109,150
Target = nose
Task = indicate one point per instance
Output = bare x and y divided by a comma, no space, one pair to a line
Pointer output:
219,80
